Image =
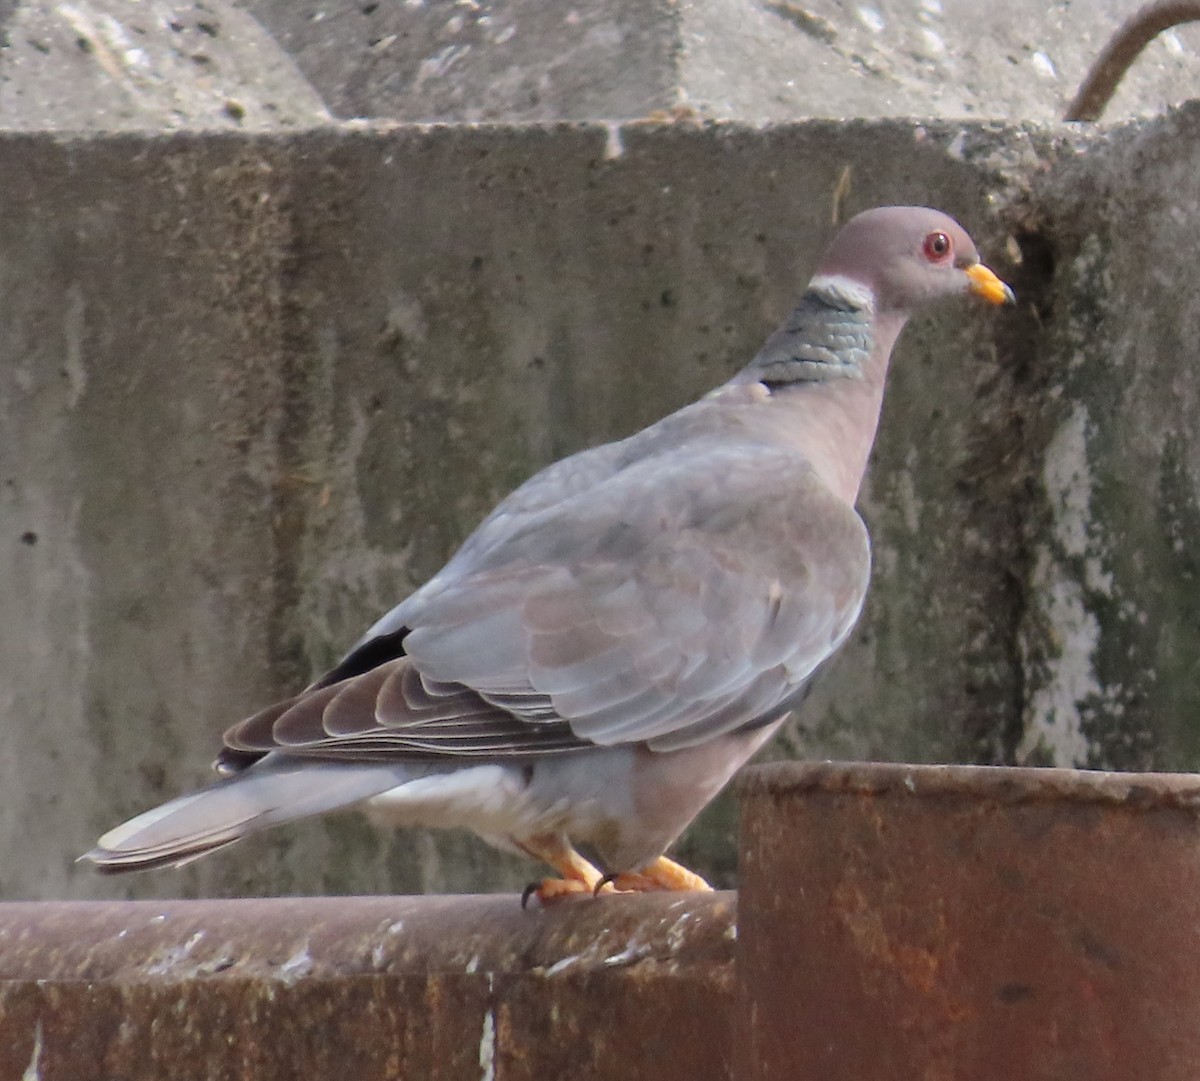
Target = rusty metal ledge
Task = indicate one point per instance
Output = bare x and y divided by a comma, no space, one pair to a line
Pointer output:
283,939
993,784
437,988
968,922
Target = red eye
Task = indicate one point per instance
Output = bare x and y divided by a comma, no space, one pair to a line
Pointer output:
936,247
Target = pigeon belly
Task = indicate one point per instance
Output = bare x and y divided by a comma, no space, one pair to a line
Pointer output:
584,796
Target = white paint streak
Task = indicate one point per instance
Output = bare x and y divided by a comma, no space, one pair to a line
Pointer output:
487,1042
627,956
174,956
677,932
33,1072
560,966
297,966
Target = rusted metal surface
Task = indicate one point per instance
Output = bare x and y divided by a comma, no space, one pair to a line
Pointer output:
369,988
968,924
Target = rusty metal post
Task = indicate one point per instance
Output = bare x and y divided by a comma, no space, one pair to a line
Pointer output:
968,924
374,989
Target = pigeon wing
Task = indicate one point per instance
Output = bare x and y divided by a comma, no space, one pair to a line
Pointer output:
689,594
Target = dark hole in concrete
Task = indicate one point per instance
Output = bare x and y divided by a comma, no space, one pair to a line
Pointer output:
1036,273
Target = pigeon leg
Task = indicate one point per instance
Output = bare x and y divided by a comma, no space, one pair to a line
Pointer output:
578,877
662,874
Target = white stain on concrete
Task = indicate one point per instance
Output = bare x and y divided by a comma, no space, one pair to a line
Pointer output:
614,146
1043,65
1053,718
934,43
872,19
955,148
1068,680
437,66
1068,482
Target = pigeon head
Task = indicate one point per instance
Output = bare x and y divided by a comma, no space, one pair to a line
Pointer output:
908,256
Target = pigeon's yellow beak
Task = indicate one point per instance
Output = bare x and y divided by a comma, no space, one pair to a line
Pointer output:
985,284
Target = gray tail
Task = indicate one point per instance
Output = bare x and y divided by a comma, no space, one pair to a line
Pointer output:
224,812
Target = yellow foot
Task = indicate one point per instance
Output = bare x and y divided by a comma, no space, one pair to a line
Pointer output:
662,874
579,878
553,891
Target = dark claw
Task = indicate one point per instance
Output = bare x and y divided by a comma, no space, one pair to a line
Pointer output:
528,892
608,878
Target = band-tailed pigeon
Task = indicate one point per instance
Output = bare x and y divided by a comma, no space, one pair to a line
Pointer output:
624,630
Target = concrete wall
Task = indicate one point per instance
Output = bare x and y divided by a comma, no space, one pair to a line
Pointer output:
753,59
1110,636
257,388
266,65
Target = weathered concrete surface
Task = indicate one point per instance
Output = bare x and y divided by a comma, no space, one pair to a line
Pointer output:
142,313
254,390
957,922
506,60
1111,631
1022,61
111,65
751,59
153,65
370,988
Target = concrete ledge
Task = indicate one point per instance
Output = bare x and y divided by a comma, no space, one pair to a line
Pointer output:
385,987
